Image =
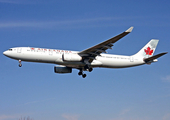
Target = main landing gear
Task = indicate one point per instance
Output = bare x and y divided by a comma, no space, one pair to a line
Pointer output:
81,73
86,68
20,65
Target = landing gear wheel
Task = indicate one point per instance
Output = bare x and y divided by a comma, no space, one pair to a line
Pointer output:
90,69
84,75
80,73
20,65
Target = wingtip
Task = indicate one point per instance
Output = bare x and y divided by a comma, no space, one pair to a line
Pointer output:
129,30
163,53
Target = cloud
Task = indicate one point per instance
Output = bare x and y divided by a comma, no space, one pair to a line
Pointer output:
125,111
64,24
13,116
4,117
21,24
166,117
166,79
71,23
38,101
70,117
54,24
131,118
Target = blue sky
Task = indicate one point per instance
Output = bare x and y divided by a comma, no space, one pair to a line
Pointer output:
139,93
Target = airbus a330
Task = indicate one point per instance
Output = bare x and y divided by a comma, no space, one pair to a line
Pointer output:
87,59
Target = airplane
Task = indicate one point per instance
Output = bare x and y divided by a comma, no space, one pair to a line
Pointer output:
87,59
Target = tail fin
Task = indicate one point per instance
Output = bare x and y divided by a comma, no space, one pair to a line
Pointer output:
148,50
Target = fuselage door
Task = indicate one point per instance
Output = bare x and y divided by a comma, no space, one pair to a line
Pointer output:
131,59
19,50
50,52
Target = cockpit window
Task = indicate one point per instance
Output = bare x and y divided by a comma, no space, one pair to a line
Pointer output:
10,50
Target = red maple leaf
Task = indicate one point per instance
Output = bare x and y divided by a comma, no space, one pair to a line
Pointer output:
148,51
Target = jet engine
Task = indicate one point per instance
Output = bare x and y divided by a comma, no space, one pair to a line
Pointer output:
62,69
71,57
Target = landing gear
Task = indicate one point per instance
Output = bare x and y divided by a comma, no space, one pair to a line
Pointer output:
20,65
84,75
81,73
90,69
86,67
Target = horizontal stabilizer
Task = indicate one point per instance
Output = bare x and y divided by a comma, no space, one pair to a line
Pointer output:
154,57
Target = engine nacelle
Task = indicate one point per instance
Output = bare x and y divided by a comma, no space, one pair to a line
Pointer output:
62,69
71,57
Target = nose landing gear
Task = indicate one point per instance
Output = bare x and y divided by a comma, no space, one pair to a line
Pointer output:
20,65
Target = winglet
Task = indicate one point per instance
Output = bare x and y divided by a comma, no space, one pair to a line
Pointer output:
129,30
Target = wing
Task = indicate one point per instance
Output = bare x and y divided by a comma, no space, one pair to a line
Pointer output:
96,50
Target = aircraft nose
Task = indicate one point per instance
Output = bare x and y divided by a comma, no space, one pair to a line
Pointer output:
5,53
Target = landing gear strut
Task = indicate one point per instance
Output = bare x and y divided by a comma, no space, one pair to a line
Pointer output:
86,67
20,63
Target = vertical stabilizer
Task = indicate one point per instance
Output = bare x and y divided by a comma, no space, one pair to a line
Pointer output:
148,50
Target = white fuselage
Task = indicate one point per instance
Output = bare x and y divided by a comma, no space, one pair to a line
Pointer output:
54,56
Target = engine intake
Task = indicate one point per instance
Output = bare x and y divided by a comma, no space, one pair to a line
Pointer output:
62,69
71,57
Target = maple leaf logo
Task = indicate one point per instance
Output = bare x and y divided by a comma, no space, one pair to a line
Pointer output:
148,51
